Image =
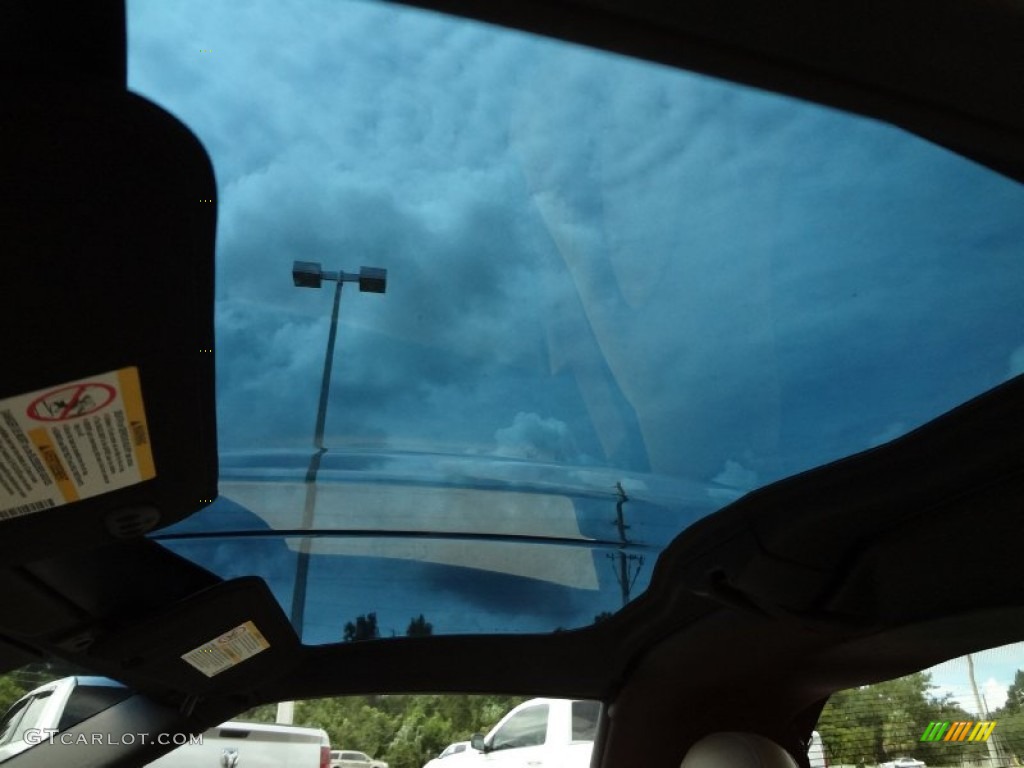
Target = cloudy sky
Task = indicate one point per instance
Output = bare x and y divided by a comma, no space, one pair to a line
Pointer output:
635,273
994,671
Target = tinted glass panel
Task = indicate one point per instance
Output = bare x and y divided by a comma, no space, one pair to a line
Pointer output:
619,297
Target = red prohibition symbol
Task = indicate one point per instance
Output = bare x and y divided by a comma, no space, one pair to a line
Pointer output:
71,402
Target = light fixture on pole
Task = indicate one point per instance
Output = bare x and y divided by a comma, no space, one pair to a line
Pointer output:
309,274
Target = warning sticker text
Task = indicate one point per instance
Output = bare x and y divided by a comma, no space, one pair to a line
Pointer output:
71,442
233,647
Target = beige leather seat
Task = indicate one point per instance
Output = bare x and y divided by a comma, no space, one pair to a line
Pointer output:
737,750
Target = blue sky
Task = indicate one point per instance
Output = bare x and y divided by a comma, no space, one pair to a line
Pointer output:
636,273
994,671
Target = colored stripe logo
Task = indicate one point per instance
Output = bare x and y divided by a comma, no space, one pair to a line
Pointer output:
959,731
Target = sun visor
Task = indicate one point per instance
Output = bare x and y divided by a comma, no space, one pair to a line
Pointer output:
229,637
65,603
107,421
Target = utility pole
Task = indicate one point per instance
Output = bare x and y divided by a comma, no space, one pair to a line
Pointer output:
993,750
624,574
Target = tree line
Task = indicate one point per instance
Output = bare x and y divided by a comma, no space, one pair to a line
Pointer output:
873,724
861,726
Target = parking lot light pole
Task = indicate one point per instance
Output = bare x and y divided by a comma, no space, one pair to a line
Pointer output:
309,274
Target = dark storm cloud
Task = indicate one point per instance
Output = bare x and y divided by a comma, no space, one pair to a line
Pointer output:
662,281
450,315
694,279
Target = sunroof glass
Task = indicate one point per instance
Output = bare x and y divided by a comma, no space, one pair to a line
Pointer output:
619,296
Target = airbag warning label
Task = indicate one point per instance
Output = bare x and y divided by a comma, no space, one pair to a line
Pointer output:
72,441
230,649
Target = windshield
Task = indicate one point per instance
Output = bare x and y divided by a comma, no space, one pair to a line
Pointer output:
618,297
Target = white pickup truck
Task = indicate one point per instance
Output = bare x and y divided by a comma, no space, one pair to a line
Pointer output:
53,708
554,733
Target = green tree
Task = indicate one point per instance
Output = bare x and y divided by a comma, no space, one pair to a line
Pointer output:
351,722
1009,734
423,733
365,628
419,627
847,728
264,713
875,723
11,689
898,732
1015,694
